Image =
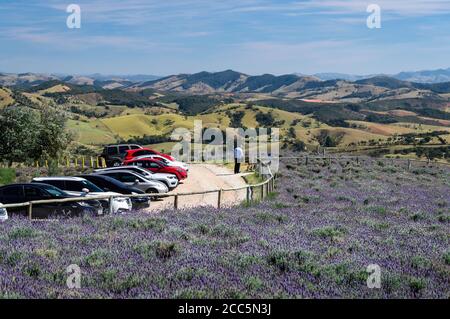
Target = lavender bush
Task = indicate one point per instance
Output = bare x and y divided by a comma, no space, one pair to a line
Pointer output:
314,238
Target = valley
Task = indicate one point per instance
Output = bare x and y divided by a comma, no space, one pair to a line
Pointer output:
366,114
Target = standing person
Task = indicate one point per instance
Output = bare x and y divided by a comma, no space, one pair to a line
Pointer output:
238,156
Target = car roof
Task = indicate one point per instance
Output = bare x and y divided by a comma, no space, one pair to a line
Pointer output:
119,171
60,178
26,184
115,145
118,168
145,158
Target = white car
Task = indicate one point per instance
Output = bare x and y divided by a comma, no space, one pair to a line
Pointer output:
3,214
170,180
166,161
81,187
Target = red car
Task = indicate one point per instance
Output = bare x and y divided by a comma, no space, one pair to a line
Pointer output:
130,154
156,166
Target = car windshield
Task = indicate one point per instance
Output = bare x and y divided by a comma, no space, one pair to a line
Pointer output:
112,181
92,187
56,192
161,162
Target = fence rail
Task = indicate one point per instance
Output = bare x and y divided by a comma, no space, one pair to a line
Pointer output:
266,187
409,161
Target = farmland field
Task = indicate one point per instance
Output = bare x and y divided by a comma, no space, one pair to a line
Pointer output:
313,238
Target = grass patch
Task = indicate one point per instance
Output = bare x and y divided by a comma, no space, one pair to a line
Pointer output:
330,232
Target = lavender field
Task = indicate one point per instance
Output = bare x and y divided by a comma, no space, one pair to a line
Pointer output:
313,238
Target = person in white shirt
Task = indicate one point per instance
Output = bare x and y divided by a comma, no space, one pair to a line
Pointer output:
238,157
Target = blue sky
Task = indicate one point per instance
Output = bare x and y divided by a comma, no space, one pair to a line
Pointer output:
252,36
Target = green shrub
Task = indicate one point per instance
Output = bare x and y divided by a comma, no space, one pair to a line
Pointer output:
7,176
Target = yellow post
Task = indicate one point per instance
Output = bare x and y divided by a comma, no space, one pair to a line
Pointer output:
98,162
46,163
92,162
82,162
76,162
67,162
37,164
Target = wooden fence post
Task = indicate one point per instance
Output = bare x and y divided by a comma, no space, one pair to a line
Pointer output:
30,211
219,198
111,208
306,161
262,191
248,195
175,202
409,164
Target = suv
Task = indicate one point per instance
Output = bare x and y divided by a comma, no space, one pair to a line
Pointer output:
114,154
81,187
23,193
170,180
109,184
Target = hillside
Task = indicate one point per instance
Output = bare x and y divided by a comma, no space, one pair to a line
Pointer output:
334,113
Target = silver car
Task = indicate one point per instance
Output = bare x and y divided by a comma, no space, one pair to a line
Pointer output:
136,180
170,180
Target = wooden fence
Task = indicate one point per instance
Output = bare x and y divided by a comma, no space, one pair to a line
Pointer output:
265,187
408,163
76,162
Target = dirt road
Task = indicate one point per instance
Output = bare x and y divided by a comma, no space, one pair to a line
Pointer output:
204,177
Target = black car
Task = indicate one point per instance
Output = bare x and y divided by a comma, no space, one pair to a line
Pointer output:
22,193
109,184
114,154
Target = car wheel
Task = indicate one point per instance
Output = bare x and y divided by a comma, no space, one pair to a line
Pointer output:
65,212
116,163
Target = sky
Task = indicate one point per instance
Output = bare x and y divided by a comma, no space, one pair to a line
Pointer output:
163,37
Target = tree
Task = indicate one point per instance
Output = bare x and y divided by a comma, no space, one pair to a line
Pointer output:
18,134
52,138
28,134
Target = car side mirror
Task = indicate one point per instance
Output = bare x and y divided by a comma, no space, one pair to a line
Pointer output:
85,191
136,182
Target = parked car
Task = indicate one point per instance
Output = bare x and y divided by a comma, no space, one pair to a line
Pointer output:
138,181
145,151
170,180
114,154
22,193
156,166
109,184
3,214
166,161
81,187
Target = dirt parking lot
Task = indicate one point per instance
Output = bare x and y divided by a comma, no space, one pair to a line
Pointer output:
203,177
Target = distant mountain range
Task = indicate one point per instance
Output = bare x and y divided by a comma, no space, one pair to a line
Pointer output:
430,76
321,88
